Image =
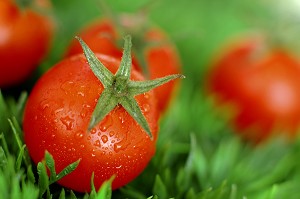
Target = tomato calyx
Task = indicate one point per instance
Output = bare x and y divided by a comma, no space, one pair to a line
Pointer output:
118,88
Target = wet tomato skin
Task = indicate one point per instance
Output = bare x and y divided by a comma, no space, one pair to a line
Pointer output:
56,119
262,85
25,37
158,52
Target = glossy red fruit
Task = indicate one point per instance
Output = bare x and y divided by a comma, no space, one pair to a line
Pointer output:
262,85
25,36
153,50
57,116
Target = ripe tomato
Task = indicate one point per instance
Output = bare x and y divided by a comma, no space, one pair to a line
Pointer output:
25,36
57,116
263,86
157,52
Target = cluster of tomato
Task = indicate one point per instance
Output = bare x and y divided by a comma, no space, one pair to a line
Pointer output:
60,105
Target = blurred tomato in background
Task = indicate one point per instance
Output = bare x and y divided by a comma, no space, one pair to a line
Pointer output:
25,36
262,84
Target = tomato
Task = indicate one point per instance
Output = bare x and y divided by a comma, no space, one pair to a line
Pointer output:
57,116
263,86
154,50
25,37
80,110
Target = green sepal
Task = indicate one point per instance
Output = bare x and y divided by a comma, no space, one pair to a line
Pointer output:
99,70
106,103
118,88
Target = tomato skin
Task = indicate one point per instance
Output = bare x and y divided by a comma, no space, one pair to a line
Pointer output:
160,54
56,119
262,87
25,37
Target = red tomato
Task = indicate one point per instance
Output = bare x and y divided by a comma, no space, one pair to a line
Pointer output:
157,51
24,40
263,86
56,119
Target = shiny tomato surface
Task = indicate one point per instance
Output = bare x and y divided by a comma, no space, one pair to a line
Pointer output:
56,119
262,85
25,37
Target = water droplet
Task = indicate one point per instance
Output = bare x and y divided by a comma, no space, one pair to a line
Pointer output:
44,104
93,153
68,122
104,138
79,135
146,95
111,133
118,167
107,122
146,108
120,146
89,137
66,86
82,146
58,110
84,111
83,114
80,93
97,143
122,118
93,131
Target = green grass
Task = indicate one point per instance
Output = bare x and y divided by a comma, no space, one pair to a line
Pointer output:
198,155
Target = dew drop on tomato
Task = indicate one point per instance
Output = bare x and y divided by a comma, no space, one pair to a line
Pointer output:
68,122
79,135
104,138
146,108
67,86
146,95
97,143
44,104
107,123
111,133
80,94
93,131
120,146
